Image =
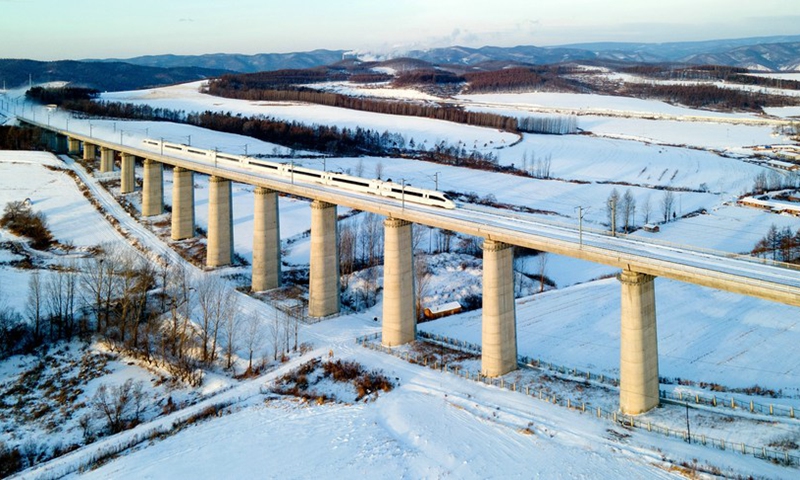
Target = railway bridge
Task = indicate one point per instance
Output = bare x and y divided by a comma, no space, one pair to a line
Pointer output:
640,262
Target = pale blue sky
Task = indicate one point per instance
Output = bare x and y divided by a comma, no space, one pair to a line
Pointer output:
60,29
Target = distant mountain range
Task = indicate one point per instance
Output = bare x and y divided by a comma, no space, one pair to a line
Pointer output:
113,76
779,53
237,62
763,53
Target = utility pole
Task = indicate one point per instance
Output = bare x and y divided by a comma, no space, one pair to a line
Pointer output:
403,194
436,181
688,431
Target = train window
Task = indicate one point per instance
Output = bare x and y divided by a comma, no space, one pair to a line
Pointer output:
351,182
307,174
265,165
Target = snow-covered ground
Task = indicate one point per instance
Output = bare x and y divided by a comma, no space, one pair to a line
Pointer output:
421,130
434,424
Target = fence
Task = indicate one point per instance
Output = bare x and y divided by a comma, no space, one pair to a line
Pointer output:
372,342
671,397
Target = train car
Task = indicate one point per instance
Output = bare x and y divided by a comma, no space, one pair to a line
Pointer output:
405,193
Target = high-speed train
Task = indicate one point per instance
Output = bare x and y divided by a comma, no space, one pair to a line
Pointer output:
347,182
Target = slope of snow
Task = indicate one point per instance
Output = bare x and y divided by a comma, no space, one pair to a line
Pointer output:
186,97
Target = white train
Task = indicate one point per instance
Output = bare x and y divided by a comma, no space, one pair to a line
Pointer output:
287,170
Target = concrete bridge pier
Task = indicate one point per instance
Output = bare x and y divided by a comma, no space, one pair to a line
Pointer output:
323,282
399,314
266,241
499,323
182,203
638,378
152,188
127,179
73,146
89,152
219,247
106,160
60,144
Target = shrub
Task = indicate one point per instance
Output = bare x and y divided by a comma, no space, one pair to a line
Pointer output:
20,218
10,461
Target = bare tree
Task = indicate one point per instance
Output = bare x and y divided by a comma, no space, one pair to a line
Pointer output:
359,167
667,204
276,328
253,336
35,304
628,209
612,210
347,249
216,302
231,324
542,259
120,405
422,282
646,210
379,170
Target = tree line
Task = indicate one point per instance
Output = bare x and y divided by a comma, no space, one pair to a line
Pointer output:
519,79
713,72
16,138
229,88
700,96
779,244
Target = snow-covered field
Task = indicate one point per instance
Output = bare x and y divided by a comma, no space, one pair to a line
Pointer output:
434,424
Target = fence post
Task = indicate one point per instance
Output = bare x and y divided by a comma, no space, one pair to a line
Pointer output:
568,403
791,412
598,412
649,426
722,444
583,407
696,398
714,400
751,406
743,448
770,409
733,403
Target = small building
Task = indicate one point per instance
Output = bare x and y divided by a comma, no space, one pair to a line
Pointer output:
788,166
442,310
651,228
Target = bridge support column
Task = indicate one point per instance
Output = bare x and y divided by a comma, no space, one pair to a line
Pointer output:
219,247
73,146
152,188
106,160
266,241
323,284
638,378
127,180
89,152
399,309
499,323
61,144
182,203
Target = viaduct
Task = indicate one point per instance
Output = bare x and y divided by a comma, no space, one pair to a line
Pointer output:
640,262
